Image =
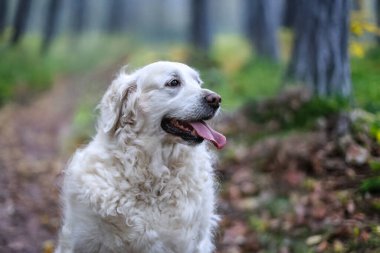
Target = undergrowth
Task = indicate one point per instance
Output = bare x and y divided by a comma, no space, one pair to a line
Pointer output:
24,71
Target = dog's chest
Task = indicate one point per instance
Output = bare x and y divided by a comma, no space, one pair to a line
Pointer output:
171,192
176,205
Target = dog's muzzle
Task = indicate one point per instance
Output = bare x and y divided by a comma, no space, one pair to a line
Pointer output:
195,130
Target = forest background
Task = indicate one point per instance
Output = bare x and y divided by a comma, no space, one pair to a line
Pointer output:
301,109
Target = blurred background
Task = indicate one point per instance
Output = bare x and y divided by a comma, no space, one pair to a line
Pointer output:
300,82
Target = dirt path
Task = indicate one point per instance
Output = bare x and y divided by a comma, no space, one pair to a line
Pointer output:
30,163
31,160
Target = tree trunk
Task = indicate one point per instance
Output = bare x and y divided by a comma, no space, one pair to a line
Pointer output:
262,24
78,16
200,24
52,16
378,18
290,13
3,15
116,16
320,53
20,21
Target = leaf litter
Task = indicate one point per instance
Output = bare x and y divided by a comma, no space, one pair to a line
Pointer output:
282,189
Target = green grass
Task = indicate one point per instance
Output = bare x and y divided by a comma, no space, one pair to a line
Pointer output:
24,71
88,52
238,77
256,80
371,185
366,80
260,79
242,79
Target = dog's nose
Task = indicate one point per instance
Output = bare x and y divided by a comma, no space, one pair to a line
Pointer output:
213,100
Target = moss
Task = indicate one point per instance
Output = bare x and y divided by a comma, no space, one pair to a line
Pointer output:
371,185
366,79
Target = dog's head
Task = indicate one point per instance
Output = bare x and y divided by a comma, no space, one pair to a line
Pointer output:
162,99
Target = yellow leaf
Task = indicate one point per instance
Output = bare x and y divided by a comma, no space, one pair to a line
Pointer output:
370,27
313,240
377,230
356,231
233,48
338,246
356,50
378,135
48,246
356,28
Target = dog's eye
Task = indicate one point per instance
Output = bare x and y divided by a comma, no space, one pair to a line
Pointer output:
173,83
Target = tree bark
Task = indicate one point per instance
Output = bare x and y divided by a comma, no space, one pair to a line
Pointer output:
200,24
20,21
262,24
52,16
116,16
290,11
78,16
320,53
3,15
378,18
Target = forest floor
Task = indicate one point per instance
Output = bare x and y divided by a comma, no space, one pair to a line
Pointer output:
309,189
33,153
282,191
30,163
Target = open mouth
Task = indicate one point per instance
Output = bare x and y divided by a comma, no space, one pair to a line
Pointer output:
193,131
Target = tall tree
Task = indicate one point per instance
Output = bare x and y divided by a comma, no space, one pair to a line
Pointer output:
261,27
52,15
116,20
3,14
200,24
378,18
290,9
320,53
20,20
78,15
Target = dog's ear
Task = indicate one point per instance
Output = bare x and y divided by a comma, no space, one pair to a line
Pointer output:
117,103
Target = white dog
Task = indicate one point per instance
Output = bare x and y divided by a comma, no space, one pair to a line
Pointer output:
145,183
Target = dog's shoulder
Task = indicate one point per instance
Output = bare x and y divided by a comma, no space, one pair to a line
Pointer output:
92,178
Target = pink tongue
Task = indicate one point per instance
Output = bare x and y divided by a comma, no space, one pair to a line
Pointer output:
206,132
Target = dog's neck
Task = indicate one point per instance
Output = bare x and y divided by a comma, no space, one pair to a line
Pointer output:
155,151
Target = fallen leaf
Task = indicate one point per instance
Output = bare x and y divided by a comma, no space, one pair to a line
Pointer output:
313,240
48,246
338,246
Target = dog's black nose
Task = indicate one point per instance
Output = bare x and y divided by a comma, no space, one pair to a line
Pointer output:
213,100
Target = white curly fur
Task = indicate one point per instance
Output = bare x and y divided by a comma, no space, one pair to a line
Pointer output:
136,188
